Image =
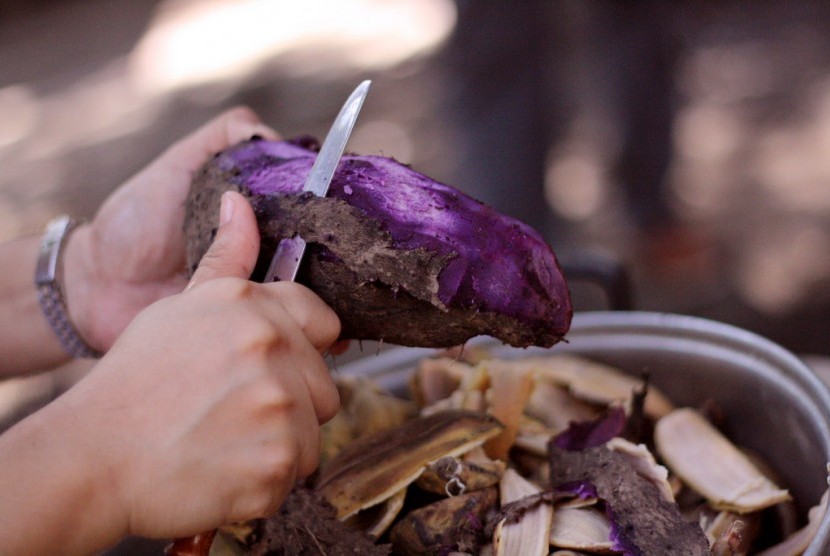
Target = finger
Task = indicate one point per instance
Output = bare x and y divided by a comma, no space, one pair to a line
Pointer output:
325,398
234,251
306,421
316,327
229,128
317,320
339,347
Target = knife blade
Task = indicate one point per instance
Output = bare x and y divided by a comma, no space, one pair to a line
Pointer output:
289,253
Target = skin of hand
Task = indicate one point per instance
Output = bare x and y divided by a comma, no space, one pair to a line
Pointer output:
132,253
205,411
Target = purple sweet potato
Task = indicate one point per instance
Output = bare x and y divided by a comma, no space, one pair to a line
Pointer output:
400,257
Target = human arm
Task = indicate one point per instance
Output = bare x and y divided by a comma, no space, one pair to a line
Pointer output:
128,256
204,412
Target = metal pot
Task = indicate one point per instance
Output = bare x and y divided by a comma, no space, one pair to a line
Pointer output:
773,402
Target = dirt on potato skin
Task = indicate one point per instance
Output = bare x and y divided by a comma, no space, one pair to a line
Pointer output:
643,521
306,524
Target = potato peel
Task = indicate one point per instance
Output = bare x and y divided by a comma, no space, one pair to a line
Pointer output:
708,462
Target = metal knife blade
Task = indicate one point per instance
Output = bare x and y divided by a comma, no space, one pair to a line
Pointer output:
289,254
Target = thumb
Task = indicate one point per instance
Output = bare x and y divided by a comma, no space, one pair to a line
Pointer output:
234,251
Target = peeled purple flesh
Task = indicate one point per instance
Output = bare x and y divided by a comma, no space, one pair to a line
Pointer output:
400,257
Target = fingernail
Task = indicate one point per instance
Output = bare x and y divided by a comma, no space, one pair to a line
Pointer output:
264,131
226,208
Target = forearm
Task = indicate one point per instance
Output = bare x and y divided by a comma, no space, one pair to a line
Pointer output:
56,497
27,343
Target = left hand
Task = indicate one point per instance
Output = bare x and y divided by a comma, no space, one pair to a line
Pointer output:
133,251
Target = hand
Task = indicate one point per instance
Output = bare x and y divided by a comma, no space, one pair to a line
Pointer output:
207,408
133,253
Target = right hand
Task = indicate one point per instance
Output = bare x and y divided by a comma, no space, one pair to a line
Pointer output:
207,409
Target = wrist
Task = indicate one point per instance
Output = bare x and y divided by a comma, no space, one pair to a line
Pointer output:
80,279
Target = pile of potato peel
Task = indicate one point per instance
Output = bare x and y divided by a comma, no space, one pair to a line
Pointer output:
544,455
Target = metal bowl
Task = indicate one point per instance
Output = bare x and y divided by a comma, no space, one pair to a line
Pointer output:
773,402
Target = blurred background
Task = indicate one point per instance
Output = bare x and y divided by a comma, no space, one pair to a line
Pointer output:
685,142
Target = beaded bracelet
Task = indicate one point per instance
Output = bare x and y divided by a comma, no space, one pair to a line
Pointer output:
48,275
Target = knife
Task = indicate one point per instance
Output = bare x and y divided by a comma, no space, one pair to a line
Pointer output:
289,253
